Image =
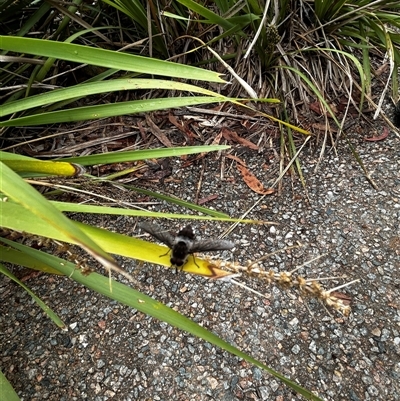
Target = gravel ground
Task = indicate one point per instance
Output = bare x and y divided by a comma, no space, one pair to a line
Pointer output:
111,352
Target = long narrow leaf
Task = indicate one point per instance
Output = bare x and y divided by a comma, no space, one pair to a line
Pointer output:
135,299
49,312
18,258
34,167
17,218
206,13
37,205
6,156
85,208
92,88
105,58
179,202
7,393
129,156
109,110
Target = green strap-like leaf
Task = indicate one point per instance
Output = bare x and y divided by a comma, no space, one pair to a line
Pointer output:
93,88
7,393
105,58
151,307
109,110
133,155
35,204
49,312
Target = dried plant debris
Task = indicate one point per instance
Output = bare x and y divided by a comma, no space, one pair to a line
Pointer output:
287,280
252,182
381,137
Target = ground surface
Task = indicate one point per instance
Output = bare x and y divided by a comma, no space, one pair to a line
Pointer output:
113,352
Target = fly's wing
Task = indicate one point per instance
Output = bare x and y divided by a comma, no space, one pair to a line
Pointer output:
159,233
210,245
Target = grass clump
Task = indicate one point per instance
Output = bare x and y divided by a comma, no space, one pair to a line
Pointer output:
70,63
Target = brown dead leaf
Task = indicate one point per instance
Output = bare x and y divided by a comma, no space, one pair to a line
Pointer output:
182,126
207,199
158,133
384,135
233,136
252,182
315,107
237,159
322,127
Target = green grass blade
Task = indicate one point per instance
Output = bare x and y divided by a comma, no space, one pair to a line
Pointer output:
327,10
179,202
238,22
35,167
109,110
52,315
84,208
206,13
134,9
6,156
17,218
92,88
105,58
135,299
38,206
7,393
18,258
129,156
366,65
293,151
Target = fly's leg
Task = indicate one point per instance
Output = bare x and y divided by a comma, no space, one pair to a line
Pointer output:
194,261
164,254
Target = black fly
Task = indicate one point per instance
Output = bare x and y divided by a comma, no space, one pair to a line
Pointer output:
184,243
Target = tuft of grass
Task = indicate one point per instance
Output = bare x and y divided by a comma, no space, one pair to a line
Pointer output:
58,58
